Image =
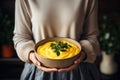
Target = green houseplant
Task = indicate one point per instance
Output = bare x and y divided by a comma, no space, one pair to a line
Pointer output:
109,35
6,31
110,44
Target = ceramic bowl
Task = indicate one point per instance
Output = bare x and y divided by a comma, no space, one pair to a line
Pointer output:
57,63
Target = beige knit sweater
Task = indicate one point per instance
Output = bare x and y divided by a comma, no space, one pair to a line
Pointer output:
39,19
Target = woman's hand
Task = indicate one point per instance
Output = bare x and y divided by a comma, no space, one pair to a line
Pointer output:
32,58
76,62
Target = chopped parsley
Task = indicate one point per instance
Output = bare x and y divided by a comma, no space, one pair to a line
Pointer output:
59,46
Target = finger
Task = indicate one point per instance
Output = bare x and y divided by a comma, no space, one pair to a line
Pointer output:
39,66
34,60
47,69
78,60
37,63
68,68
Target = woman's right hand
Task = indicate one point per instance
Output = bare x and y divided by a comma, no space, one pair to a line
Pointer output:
33,58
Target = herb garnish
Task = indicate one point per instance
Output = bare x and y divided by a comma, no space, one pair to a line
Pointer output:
59,46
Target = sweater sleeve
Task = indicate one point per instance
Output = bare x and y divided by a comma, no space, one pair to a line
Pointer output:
89,40
23,40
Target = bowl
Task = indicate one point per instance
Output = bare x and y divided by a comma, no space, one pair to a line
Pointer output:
57,63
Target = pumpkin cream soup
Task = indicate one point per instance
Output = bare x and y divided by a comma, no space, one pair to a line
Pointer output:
58,50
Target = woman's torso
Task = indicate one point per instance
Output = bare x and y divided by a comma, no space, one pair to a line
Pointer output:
57,18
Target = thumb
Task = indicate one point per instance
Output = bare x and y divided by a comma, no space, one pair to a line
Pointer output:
34,59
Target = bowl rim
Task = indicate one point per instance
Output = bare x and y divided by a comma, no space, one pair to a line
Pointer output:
53,39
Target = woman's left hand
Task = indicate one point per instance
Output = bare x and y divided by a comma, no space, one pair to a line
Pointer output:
76,62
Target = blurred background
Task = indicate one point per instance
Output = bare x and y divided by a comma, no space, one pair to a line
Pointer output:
108,62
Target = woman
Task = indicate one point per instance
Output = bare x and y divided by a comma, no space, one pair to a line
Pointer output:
39,19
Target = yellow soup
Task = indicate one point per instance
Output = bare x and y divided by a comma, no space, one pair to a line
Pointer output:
47,51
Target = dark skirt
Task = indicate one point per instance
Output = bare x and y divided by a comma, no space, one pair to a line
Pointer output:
85,71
